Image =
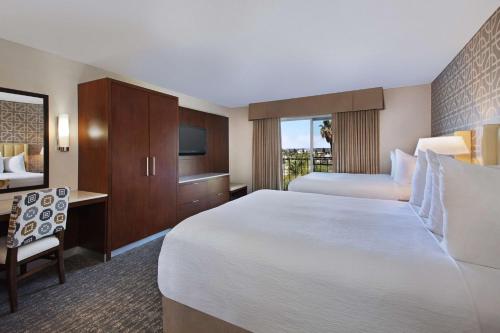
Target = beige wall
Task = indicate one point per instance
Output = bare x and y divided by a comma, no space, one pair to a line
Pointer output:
27,69
407,117
240,146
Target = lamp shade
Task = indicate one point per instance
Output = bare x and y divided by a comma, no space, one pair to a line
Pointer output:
444,145
63,132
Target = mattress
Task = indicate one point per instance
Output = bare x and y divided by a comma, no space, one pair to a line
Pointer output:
21,179
297,262
374,186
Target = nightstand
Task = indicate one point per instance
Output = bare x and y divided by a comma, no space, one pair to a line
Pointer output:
237,191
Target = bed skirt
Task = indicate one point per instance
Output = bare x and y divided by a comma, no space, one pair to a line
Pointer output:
179,318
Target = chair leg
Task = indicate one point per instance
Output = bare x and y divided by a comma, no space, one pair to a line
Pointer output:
24,268
60,264
12,284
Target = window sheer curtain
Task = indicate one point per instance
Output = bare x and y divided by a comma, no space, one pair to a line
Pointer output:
266,151
356,146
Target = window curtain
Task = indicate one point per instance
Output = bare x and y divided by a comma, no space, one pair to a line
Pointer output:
356,141
266,153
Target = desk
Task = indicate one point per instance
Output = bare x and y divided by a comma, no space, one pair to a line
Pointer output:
87,222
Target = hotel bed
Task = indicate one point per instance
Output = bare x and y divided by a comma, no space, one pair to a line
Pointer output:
373,186
21,179
299,262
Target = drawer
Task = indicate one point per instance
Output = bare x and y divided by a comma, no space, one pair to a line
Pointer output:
189,192
186,210
218,199
218,185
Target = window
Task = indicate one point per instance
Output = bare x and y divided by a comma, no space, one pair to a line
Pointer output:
306,147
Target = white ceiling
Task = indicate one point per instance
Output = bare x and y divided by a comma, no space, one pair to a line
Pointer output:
233,52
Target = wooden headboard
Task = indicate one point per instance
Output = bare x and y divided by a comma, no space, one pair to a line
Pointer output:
484,144
490,144
13,149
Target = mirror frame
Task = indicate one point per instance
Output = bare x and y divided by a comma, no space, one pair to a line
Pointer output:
45,140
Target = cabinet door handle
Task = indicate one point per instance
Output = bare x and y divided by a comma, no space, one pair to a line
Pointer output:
147,166
219,194
154,165
196,201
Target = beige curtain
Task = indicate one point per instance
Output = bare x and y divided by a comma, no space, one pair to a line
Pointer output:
267,173
356,141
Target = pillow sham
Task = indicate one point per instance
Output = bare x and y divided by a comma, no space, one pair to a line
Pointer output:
471,212
405,166
427,198
14,163
435,223
418,180
393,164
1,164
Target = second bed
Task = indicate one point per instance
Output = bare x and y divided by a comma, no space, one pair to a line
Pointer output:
371,186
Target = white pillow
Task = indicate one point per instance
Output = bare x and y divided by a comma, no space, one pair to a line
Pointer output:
435,223
1,163
393,163
405,166
14,163
418,181
470,196
426,201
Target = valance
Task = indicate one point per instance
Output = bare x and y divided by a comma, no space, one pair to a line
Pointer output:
358,100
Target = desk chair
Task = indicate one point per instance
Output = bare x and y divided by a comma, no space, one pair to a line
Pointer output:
36,231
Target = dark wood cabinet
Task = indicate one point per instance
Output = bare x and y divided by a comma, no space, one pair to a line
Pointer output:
128,148
217,157
199,195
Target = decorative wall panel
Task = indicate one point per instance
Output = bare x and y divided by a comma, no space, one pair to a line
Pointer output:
466,94
24,123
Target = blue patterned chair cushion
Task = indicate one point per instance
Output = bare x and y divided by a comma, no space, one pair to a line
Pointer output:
36,215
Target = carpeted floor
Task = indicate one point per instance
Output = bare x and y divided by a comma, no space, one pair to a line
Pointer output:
117,296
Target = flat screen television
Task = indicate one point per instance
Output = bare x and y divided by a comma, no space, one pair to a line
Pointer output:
192,140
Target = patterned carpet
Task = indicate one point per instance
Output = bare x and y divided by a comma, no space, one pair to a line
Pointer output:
118,296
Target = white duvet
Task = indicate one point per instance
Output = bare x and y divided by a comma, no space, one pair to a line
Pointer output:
374,186
20,179
296,262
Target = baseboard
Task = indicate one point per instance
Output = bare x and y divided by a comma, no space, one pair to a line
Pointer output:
143,241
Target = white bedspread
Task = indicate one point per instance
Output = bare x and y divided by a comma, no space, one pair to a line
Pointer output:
378,186
296,262
20,179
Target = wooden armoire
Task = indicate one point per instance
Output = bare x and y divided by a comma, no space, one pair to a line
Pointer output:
128,148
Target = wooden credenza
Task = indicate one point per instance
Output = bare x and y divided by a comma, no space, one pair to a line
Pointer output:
201,192
128,149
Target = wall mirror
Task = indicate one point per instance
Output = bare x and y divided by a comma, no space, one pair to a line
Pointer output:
24,140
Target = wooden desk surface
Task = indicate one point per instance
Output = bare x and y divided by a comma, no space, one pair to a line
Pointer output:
76,198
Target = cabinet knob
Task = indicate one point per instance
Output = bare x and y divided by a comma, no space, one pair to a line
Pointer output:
219,194
196,201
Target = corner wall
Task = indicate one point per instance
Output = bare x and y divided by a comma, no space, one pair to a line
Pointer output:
405,119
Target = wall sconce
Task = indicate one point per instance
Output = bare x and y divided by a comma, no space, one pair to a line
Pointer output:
63,132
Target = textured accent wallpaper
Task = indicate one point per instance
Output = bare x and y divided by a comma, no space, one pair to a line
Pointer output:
23,123
466,94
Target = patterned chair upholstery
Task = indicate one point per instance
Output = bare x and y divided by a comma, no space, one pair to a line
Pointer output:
36,215
36,230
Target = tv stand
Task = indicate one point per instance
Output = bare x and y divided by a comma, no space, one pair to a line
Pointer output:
197,193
